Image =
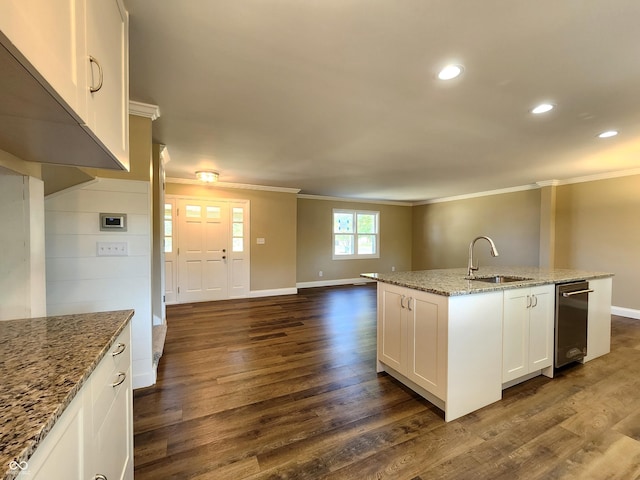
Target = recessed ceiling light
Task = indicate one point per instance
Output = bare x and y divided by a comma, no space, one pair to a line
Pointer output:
608,133
542,108
450,71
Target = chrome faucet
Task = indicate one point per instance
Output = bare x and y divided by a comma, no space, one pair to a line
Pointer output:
494,253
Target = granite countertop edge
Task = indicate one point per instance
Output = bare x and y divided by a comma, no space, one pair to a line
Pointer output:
453,282
33,440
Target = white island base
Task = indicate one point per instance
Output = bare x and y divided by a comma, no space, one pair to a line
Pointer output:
460,351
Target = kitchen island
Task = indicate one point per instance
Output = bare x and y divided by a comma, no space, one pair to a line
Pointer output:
459,342
66,392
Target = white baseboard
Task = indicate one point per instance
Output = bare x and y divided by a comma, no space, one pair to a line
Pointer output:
273,292
625,312
331,283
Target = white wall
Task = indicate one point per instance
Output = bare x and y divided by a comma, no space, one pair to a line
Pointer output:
79,281
22,278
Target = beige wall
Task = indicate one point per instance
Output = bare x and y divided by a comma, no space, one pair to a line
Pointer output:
598,228
442,231
273,217
315,219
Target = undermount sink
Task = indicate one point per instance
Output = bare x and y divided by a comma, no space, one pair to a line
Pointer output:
500,279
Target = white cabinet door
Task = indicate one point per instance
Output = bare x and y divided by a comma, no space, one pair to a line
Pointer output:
427,343
108,45
541,324
527,331
515,334
412,336
111,439
50,35
391,326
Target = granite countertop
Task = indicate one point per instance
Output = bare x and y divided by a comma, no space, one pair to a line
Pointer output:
43,364
453,281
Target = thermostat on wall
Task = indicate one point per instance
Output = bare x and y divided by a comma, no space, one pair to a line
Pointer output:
113,222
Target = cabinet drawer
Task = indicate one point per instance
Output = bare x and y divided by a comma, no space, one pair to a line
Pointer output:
112,374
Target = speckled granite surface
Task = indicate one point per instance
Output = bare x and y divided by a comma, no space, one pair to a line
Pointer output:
43,364
453,281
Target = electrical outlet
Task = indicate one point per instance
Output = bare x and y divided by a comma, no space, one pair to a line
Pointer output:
393,269
320,273
113,249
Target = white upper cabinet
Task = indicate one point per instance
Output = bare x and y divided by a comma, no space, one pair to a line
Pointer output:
50,34
107,74
65,84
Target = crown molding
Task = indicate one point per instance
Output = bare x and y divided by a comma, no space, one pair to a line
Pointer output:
242,186
144,110
601,176
548,183
478,194
354,200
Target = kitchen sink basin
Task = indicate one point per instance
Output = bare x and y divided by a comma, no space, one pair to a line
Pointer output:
500,279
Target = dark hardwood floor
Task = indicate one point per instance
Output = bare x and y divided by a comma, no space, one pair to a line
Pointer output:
285,388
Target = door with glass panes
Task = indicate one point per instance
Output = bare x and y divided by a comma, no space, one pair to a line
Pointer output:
212,250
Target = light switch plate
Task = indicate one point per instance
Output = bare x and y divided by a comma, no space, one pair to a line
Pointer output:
113,249
260,241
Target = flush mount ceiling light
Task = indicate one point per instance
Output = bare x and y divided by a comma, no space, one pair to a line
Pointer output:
608,134
450,72
207,176
542,108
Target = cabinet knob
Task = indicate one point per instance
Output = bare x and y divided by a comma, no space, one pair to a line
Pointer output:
99,476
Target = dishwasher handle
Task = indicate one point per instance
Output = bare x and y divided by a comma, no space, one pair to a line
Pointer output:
577,292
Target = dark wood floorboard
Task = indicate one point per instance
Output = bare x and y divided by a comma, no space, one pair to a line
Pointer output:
285,388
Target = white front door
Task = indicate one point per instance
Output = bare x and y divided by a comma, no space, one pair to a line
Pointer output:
213,262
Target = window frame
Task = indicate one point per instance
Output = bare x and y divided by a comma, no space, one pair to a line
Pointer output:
355,255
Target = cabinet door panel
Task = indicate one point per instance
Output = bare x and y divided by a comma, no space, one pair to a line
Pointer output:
391,336
114,438
541,329
50,35
515,335
107,42
424,356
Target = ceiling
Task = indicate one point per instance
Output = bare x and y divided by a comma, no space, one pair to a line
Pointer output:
341,97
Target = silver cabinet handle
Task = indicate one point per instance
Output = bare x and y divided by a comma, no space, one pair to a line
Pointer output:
402,301
409,304
577,292
120,347
99,476
535,301
528,301
93,89
121,378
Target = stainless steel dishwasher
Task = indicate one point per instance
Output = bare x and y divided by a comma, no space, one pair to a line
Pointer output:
572,303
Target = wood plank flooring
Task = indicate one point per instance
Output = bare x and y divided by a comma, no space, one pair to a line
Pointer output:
285,388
